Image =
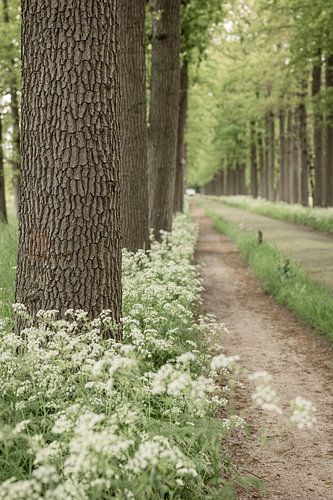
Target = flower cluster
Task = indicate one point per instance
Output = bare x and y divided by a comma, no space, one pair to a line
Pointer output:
86,417
302,413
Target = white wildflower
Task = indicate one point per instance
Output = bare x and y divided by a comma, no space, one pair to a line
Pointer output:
303,413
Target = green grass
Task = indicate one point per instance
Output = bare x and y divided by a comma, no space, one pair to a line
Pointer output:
316,218
282,278
8,253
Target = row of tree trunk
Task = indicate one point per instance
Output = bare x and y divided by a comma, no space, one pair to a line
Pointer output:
287,167
92,179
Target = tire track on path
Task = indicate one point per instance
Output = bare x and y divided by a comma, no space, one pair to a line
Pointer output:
297,464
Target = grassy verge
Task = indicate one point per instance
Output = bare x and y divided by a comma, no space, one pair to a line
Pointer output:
8,252
283,278
316,218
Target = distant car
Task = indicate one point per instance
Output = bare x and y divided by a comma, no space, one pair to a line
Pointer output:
191,192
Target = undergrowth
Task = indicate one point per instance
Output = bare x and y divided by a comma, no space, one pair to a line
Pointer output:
316,218
83,417
282,278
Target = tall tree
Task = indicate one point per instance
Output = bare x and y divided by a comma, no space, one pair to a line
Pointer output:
3,210
303,145
135,211
70,233
329,134
164,112
317,132
253,160
271,156
181,150
283,152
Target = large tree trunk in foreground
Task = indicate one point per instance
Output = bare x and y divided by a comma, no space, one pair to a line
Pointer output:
70,232
329,136
181,146
15,114
135,210
164,111
3,210
253,165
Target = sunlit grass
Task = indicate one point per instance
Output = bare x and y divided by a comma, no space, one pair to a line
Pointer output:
282,278
8,253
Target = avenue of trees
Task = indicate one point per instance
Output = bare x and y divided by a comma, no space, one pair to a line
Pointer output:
123,102
265,123
92,150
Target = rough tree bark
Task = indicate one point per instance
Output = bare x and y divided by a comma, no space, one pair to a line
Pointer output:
283,153
181,146
329,135
135,210
164,111
15,115
70,231
253,159
3,210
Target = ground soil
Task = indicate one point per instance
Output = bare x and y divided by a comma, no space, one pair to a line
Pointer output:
295,464
311,249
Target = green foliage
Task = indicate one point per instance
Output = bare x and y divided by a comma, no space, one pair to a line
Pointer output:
259,60
198,18
283,279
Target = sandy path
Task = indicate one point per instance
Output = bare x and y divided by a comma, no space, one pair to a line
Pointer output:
312,249
296,464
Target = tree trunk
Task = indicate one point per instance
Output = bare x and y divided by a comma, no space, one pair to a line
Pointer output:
295,193
229,181
329,135
181,146
242,179
135,210
303,145
283,166
164,111
267,150
271,156
261,158
254,167
318,143
15,115
70,231
3,210
223,182
289,158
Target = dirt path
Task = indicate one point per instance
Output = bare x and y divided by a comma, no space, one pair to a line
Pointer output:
296,464
312,249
